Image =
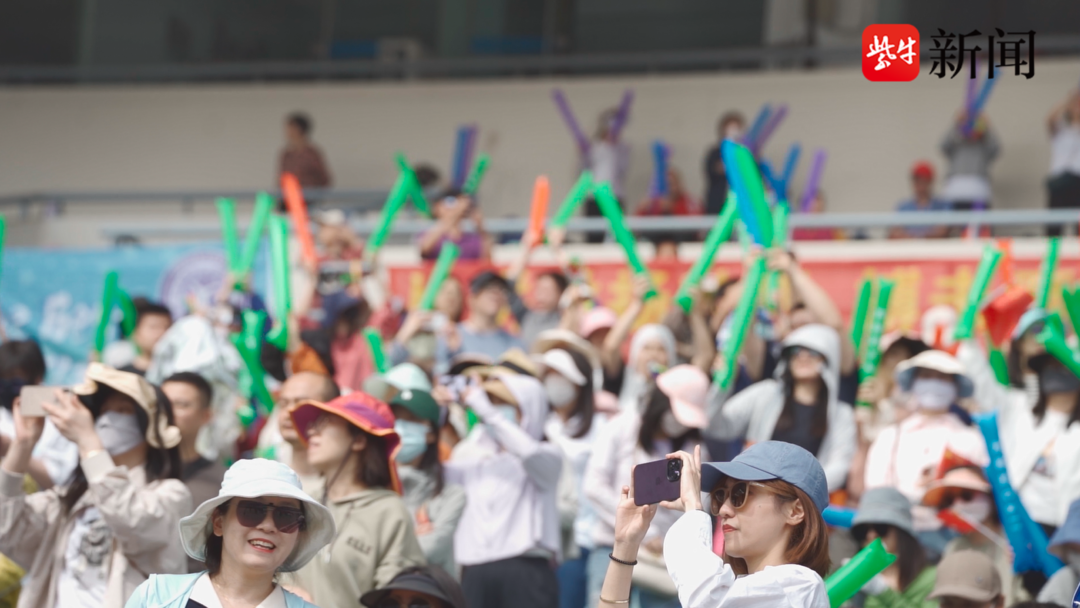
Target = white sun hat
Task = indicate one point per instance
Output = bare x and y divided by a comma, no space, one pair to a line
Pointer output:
258,478
560,361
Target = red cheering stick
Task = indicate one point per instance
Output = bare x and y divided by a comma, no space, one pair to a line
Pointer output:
955,522
294,201
541,190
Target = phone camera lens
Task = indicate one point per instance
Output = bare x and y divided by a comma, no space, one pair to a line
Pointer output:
674,470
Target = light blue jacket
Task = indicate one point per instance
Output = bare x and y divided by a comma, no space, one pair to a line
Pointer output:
172,591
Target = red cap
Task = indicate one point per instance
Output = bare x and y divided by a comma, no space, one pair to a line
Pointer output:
923,169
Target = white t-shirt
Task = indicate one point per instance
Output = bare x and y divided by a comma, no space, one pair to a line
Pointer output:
1039,492
203,592
84,579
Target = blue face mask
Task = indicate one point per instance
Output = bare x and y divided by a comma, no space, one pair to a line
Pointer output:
413,440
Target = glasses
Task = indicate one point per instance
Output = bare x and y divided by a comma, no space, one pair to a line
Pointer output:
416,602
880,530
286,519
964,495
737,493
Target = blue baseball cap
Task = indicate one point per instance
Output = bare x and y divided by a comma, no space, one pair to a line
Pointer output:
772,460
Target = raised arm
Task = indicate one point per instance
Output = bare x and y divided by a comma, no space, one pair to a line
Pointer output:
542,461
702,337
610,354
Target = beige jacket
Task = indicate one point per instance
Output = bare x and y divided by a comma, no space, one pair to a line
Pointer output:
143,518
375,540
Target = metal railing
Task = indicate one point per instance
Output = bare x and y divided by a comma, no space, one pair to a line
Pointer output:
652,225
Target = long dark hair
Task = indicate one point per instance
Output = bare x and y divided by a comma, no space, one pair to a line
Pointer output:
430,462
656,405
374,470
820,424
910,555
161,463
1040,403
585,405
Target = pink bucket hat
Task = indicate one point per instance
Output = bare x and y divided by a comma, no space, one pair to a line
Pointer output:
687,387
597,319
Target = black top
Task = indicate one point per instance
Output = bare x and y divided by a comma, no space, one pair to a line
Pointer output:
800,433
194,604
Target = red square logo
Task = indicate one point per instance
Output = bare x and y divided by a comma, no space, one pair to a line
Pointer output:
890,52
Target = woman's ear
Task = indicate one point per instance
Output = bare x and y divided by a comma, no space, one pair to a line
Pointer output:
359,443
794,513
217,520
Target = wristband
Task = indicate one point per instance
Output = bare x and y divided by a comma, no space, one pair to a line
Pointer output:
619,561
604,600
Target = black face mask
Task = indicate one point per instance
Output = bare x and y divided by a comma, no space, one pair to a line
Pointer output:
1055,379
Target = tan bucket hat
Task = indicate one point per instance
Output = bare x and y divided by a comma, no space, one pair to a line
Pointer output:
141,391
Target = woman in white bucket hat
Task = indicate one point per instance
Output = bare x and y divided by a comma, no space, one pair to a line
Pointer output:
260,523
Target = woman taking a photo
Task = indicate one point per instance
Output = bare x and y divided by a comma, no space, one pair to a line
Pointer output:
801,406
93,541
769,501
260,523
351,443
672,421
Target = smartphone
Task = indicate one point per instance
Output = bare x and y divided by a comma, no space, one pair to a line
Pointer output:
657,481
31,398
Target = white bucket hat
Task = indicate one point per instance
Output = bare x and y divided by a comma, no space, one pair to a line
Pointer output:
938,361
408,377
254,479
560,361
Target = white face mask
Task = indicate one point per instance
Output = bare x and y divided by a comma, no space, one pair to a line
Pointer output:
933,393
560,391
976,510
672,427
413,439
119,433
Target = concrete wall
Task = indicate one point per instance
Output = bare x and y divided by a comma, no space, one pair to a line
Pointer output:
227,136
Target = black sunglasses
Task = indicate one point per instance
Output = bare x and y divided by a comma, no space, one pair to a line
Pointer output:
737,494
881,530
964,495
286,519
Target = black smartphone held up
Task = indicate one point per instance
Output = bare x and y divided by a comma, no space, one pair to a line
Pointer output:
657,481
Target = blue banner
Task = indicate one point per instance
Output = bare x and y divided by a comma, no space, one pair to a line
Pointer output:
54,296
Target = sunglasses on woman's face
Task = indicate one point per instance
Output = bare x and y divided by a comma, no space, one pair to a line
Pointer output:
286,519
737,493
881,530
964,495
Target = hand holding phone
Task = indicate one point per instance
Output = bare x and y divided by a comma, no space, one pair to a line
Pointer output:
657,481
31,398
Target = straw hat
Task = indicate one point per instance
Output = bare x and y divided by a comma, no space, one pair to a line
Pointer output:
140,391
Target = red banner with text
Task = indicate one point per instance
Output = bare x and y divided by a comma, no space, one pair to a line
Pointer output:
920,284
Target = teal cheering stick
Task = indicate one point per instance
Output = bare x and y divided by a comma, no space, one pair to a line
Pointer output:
279,262
448,255
858,317
877,327
1046,273
609,207
740,323
412,185
394,202
983,275
572,201
226,208
252,377
264,204
780,231
848,579
473,183
378,355
108,299
718,235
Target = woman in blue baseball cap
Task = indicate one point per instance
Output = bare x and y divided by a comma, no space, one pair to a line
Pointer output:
768,501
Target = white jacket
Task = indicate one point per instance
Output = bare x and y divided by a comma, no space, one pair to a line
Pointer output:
754,411
705,581
510,478
1023,439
